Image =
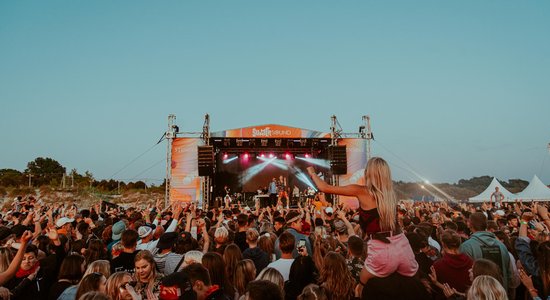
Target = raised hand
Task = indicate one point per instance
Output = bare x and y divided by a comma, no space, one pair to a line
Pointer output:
52,234
527,216
543,212
448,290
26,237
433,275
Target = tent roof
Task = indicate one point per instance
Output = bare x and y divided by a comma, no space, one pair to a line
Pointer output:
536,190
486,194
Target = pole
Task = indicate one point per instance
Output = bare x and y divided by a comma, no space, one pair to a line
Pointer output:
30,182
170,135
369,136
333,142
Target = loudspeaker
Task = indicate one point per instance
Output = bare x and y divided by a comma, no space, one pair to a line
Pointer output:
338,159
205,160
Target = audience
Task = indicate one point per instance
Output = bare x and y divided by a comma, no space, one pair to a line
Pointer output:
463,251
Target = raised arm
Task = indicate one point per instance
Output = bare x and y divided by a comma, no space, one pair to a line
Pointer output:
16,262
353,190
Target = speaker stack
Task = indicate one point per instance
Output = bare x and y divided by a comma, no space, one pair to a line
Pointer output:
206,160
338,159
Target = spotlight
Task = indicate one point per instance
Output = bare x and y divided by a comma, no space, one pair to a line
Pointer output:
262,155
288,156
271,155
307,155
225,156
245,156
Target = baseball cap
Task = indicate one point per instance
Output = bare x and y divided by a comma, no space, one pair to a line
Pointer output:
118,228
167,240
62,221
329,210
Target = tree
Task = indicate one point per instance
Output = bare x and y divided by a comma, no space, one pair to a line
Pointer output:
44,170
11,177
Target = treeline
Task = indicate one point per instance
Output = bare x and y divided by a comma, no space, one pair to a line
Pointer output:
462,190
47,172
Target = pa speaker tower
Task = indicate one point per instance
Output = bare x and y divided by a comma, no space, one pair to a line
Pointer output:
338,159
205,160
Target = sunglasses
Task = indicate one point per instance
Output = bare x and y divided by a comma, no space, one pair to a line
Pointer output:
131,283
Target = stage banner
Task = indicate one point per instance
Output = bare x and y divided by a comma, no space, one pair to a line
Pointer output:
270,131
356,151
186,183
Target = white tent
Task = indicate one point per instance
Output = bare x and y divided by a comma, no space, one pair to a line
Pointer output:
485,196
536,190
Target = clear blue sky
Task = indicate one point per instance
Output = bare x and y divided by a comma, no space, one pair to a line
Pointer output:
454,89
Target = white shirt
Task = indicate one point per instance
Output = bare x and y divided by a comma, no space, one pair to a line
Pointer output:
434,244
152,245
283,266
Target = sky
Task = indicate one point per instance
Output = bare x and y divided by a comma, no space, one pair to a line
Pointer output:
454,89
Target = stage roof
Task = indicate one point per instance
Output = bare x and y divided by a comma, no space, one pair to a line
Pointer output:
269,131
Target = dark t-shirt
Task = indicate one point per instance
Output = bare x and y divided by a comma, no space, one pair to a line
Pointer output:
57,289
124,262
240,240
396,287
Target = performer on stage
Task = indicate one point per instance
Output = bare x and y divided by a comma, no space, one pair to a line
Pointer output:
282,191
227,199
310,194
272,191
296,194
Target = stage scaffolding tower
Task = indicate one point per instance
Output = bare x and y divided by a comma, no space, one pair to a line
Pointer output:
206,181
335,134
170,135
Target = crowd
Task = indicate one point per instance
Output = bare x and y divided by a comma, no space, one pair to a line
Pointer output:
385,249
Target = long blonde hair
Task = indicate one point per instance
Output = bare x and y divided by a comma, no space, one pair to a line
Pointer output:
380,185
99,266
245,271
486,287
114,282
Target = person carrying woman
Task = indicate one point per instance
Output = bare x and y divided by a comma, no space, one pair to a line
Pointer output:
388,248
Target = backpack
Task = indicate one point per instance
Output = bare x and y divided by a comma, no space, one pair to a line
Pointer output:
491,253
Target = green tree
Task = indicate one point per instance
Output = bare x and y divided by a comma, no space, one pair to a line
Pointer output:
44,170
11,177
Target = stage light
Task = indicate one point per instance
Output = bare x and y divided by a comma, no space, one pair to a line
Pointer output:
225,156
271,155
316,161
288,156
262,155
228,160
245,156
307,155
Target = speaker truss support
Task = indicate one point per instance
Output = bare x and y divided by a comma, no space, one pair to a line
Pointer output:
206,181
170,135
